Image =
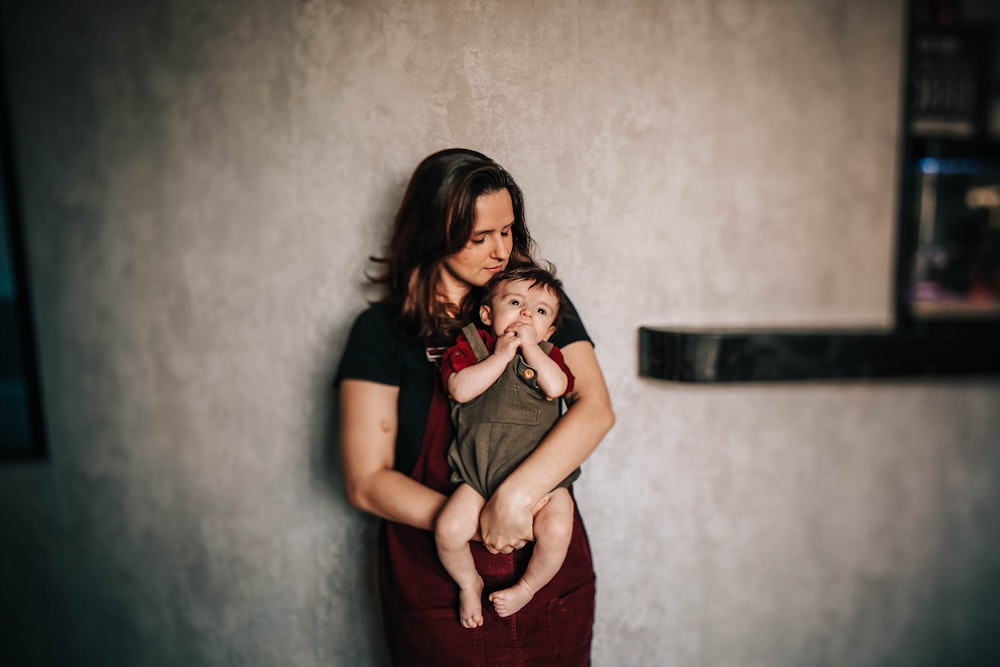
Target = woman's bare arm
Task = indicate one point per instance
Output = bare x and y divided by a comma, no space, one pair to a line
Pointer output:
506,519
368,424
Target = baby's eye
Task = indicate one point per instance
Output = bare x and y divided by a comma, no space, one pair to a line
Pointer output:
515,302
542,311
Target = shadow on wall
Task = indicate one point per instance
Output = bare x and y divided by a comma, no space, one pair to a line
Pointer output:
347,617
347,614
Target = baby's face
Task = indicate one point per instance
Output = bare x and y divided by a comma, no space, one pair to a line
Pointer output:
520,302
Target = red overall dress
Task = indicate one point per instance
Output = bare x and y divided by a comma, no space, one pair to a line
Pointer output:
420,600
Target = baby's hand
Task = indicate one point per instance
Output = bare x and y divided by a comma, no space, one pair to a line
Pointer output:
525,333
506,345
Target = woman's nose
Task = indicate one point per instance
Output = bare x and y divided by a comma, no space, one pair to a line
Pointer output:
500,250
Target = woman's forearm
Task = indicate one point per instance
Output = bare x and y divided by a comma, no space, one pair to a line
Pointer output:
573,439
391,495
368,424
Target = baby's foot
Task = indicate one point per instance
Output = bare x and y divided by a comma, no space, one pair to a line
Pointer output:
470,605
511,600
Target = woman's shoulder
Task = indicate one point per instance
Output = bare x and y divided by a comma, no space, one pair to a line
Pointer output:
376,325
378,315
571,329
373,348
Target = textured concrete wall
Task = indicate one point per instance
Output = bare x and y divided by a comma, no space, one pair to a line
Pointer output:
202,184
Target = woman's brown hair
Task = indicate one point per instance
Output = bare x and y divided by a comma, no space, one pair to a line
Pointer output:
434,221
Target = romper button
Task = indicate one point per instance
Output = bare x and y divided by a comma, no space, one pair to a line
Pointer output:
528,373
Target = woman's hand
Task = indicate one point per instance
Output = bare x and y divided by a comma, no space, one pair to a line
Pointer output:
506,523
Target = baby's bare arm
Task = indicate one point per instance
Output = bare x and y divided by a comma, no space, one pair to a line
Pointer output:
471,381
551,377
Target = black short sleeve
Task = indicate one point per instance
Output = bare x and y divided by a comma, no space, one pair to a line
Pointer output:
571,328
373,351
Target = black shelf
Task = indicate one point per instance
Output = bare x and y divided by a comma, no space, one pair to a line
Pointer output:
721,355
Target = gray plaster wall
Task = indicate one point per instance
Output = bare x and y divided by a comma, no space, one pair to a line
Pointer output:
202,185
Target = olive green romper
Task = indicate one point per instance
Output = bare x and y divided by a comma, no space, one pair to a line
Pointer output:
498,429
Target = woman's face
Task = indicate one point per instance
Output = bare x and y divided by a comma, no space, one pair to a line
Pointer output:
487,252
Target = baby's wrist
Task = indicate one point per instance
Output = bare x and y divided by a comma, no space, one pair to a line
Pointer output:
507,355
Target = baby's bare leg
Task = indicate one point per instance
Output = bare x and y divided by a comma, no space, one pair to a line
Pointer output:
553,530
455,526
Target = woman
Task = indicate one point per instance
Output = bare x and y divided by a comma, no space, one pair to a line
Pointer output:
460,222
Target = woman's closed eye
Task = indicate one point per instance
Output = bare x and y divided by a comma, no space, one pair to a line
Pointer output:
481,238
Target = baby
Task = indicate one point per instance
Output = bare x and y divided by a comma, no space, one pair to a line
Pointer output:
504,388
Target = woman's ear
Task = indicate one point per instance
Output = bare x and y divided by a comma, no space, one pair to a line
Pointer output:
484,314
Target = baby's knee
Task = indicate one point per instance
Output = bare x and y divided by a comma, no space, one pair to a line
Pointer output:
451,532
556,521
558,529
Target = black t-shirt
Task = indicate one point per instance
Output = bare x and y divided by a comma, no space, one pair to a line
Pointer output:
375,352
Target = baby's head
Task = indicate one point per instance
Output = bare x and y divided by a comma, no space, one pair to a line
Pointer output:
526,294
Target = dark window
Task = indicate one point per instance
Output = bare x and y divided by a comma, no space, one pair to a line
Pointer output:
21,426
949,240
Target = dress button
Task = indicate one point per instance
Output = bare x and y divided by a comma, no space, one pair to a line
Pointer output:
528,373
